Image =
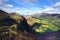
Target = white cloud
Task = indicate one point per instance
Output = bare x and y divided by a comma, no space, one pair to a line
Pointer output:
2,2
6,7
57,4
26,2
48,9
9,6
29,1
19,2
9,10
52,9
3,5
27,11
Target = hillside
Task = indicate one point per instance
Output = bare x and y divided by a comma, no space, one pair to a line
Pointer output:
44,22
16,27
12,25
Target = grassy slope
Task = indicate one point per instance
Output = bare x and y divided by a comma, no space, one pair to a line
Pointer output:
45,24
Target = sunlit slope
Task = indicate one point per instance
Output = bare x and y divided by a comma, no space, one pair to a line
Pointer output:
44,25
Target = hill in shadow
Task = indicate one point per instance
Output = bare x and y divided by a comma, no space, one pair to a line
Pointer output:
12,25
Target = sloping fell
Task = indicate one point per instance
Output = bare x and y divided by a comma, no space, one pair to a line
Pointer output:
11,25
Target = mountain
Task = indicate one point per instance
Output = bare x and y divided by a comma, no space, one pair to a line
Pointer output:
16,27
12,24
46,16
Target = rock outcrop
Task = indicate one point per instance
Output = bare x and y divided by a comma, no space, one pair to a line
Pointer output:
12,24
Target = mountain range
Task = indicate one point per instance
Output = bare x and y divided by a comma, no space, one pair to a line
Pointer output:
45,15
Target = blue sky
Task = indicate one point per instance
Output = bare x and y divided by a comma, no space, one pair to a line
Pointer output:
26,7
